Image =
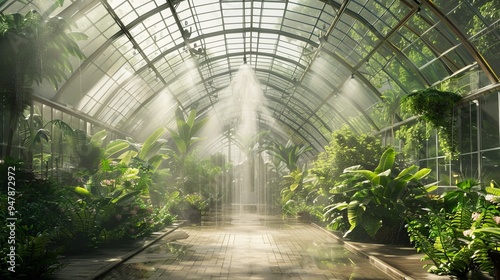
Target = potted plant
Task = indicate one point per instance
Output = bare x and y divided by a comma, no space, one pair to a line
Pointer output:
196,205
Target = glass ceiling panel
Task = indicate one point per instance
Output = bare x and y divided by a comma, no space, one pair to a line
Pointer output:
280,40
482,27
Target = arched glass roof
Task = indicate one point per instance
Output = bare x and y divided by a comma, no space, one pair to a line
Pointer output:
321,64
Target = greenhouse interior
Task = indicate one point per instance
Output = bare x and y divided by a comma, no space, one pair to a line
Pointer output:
245,139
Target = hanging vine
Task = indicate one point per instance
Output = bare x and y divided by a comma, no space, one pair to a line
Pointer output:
435,107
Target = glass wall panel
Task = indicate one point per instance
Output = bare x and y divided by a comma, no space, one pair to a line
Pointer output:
489,121
444,172
467,126
490,168
469,166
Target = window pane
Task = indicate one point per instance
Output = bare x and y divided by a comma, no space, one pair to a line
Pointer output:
489,121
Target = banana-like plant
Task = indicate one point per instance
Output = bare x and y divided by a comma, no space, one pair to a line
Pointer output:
379,198
151,153
289,153
185,136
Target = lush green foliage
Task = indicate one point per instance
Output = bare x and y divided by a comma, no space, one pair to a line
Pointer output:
436,108
378,198
288,154
34,198
413,136
300,194
33,48
185,136
106,202
458,229
346,149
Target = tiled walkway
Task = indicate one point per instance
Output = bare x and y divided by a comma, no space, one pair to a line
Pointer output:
249,246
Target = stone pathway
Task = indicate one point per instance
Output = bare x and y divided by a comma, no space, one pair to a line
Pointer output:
248,246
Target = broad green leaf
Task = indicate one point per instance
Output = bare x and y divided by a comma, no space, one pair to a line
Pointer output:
370,175
396,187
98,138
431,188
352,168
82,191
371,224
410,170
127,156
179,142
355,211
155,161
338,206
386,161
421,174
466,185
191,118
146,147
342,189
173,195
115,147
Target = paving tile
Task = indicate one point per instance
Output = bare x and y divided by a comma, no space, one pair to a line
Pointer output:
251,246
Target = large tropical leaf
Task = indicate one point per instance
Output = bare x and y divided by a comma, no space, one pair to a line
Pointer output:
371,224
422,173
40,134
466,185
179,143
98,138
115,147
127,156
386,161
82,192
156,160
355,211
342,188
396,187
148,144
336,207
410,170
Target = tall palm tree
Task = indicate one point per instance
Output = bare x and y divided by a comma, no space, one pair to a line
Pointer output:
33,49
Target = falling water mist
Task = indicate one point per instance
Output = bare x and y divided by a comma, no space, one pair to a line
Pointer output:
238,110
